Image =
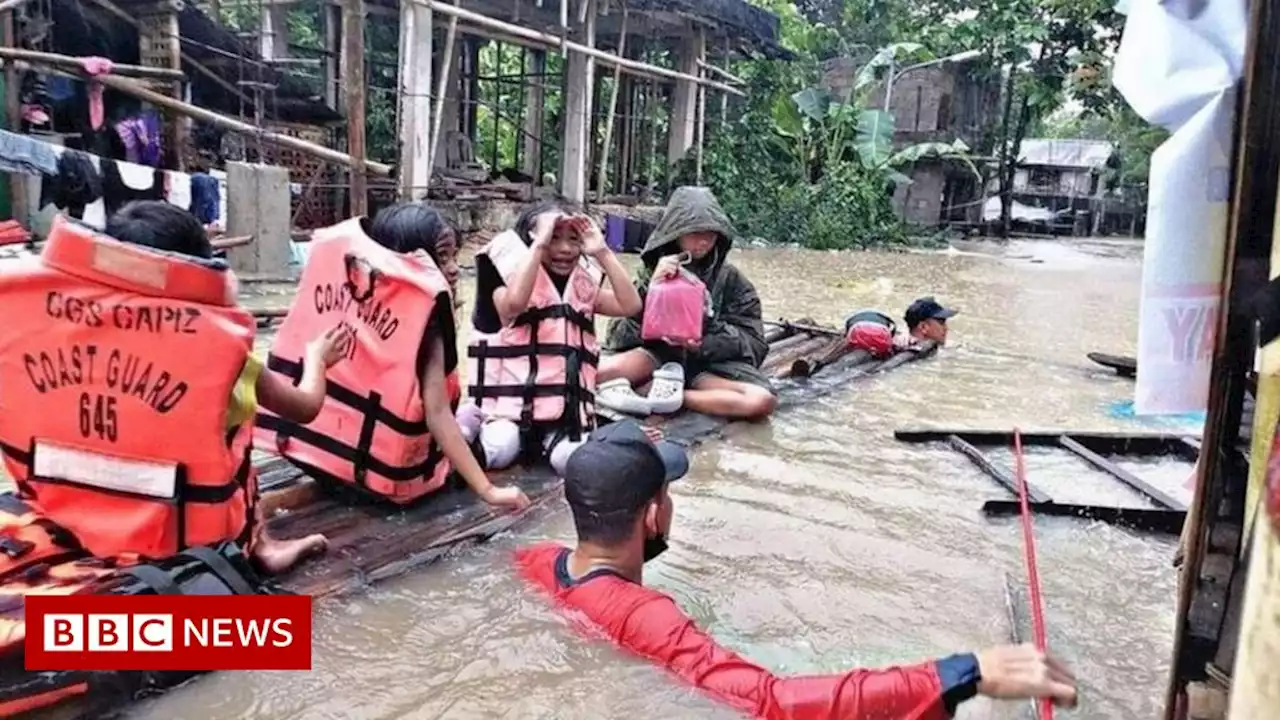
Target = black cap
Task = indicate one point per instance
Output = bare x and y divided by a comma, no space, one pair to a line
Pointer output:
926,308
619,469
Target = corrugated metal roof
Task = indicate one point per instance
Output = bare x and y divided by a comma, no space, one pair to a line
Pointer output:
1066,153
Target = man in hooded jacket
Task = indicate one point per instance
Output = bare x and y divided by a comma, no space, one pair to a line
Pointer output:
723,370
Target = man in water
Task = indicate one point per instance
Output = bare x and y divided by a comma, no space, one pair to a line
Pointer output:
927,320
617,488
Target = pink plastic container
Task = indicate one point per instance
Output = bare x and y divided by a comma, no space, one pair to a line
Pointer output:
673,309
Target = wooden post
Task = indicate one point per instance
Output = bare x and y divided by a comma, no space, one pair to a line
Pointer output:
577,116
606,147
534,112
159,46
332,21
13,115
415,100
442,90
353,87
702,103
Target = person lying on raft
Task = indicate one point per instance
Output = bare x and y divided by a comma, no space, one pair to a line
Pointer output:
877,334
723,370
105,352
533,350
387,426
617,488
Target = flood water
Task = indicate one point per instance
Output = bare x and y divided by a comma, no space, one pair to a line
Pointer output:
815,542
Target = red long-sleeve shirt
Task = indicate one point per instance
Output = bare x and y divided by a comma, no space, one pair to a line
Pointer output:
650,624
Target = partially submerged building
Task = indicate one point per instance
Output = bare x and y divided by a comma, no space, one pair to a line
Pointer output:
1061,185
941,103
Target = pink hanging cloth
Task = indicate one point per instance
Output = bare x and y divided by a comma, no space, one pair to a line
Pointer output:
95,66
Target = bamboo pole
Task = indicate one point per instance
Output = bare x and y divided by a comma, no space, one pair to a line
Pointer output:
700,130
8,5
231,242
11,53
613,109
443,87
721,72
551,41
130,87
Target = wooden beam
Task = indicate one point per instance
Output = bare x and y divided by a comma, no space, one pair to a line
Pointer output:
995,472
1161,520
1142,486
354,89
551,41
130,87
140,71
13,115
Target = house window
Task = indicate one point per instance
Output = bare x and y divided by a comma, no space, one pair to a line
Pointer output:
1040,179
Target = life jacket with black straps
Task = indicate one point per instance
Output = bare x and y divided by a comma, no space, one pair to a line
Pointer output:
110,428
538,371
371,432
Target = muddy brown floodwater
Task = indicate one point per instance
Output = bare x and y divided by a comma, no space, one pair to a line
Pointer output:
815,542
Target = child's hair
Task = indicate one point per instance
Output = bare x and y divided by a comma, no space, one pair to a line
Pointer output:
162,226
529,218
410,226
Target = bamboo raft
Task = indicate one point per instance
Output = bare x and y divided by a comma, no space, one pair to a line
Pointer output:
370,542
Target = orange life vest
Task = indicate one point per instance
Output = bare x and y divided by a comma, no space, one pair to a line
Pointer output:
371,432
540,369
117,366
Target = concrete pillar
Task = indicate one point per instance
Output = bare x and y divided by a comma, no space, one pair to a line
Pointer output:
258,205
534,108
415,100
684,109
576,145
274,40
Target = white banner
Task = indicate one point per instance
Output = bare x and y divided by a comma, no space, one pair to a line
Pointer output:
1178,65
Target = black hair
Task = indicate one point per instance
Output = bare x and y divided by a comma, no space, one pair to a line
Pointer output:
529,218
410,226
162,226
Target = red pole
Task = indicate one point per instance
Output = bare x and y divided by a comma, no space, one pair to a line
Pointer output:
1033,575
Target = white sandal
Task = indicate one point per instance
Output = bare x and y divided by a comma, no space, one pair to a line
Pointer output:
666,393
617,394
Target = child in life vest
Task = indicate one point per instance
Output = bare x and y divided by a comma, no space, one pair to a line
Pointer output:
162,226
417,228
533,351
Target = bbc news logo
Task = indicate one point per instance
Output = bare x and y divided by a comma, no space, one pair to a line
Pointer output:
168,632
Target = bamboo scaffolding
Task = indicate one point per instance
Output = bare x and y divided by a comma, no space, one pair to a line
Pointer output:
139,71
551,41
606,149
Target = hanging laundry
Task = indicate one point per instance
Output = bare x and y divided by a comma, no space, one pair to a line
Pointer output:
75,185
25,155
93,67
178,189
123,182
141,139
206,200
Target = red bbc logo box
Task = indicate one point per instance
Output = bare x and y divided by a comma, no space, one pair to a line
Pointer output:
168,632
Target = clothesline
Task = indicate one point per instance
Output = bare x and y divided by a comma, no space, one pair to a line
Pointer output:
89,187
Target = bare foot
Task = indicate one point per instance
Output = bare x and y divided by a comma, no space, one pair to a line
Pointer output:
277,556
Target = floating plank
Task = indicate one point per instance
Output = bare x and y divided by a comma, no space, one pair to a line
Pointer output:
997,473
1149,519
1155,494
1108,443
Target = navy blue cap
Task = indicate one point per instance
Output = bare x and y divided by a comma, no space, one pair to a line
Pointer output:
926,308
620,468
